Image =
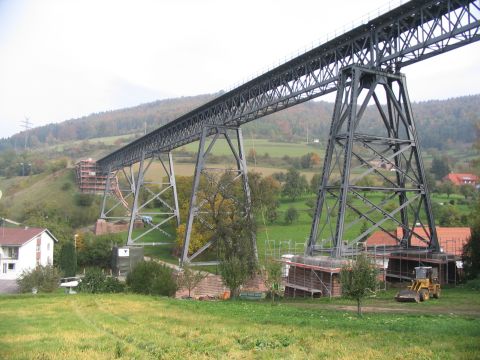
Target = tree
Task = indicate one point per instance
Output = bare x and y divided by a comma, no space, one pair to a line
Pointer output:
440,167
189,279
295,184
236,252
291,215
467,190
359,280
447,187
362,230
273,278
42,278
233,274
96,251
306,161
315,183
68,259
471,251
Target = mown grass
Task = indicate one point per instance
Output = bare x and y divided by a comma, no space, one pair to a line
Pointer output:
142,327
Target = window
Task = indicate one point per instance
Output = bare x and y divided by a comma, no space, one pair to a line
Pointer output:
11,252
38,248
11,266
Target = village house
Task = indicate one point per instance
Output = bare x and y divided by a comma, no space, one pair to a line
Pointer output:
23,249
461,179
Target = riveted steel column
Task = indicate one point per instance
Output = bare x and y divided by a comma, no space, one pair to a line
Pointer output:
242,166
105,193
137,187
173,183
193,199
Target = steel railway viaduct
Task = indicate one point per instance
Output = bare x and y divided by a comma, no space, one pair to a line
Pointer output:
363,66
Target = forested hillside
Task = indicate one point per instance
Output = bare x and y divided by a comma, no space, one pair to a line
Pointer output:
441,123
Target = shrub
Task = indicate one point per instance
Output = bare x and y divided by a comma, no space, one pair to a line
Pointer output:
113,285
66,186
43,278
93,281
84,199
151,278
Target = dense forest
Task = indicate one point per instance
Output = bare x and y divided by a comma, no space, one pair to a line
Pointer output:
441,123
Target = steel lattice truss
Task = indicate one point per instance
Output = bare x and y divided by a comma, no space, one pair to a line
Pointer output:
407,34
373,175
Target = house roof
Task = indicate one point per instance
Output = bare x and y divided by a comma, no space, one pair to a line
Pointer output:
451,239
20,236
461,178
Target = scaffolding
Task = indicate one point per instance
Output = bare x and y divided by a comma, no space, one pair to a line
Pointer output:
89,177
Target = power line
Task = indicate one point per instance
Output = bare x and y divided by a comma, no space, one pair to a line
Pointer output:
26,125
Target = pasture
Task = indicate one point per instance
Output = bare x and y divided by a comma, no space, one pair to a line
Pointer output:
126,326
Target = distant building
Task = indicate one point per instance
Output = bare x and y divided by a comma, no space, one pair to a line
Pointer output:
89,177
451,239
23,249
462,179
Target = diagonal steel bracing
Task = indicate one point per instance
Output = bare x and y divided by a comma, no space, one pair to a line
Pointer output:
412,32
368,165
155,202
148,205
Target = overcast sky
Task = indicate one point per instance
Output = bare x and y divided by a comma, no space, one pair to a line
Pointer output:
63,59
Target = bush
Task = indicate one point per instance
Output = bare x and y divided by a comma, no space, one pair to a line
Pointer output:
43,278
113,285
84,199
93,282
66,186
151,278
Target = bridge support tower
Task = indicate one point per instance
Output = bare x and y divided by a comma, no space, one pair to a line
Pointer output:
373,175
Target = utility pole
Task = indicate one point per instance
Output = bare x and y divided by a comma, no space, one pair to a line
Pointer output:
27,125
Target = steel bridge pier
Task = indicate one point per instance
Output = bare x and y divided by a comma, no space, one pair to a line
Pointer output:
365,157
152,204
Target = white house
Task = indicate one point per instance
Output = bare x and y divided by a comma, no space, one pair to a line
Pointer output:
24,249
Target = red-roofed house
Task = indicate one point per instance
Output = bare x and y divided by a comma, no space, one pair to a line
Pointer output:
462,179
23,249
451,239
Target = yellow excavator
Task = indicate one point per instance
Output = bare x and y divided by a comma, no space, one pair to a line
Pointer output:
424,286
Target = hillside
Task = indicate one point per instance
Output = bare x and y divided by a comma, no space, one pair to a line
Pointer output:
441,123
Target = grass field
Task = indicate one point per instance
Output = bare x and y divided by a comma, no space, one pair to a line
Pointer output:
142,327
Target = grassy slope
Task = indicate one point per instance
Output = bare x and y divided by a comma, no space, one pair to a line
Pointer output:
142,327
38,189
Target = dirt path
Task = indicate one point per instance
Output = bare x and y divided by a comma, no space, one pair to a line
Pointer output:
440,310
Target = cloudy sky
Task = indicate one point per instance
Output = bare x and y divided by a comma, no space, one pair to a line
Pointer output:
62,59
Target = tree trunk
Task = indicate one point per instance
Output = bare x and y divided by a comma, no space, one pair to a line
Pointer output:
359,308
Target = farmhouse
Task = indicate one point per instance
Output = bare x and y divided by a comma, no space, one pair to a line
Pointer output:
23,249
462,179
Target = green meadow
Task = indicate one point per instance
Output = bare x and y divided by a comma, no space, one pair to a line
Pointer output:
126,326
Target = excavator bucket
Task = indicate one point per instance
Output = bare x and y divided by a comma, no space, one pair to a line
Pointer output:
408,296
